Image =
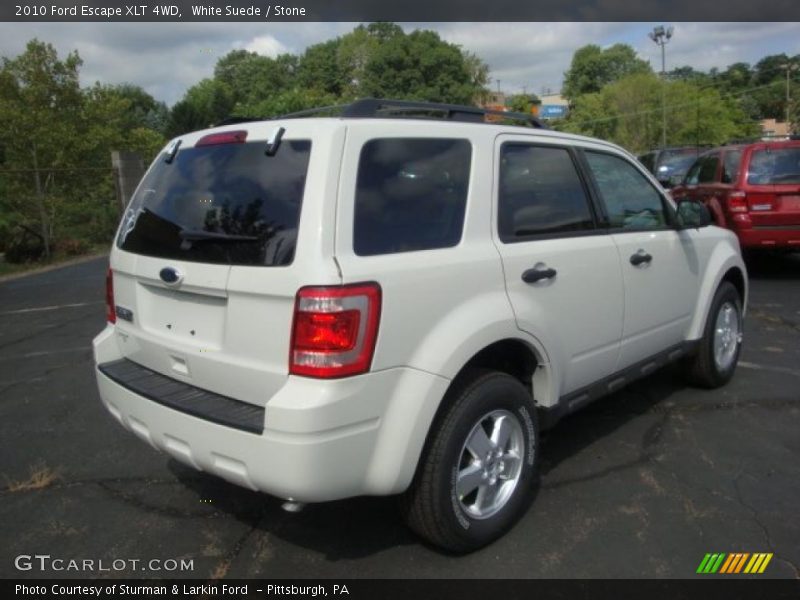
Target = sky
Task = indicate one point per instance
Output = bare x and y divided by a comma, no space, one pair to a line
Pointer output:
167,58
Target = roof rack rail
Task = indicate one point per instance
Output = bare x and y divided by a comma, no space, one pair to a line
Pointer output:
387,109
372,107
310,112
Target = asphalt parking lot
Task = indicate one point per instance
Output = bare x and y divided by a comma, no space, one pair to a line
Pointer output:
641,484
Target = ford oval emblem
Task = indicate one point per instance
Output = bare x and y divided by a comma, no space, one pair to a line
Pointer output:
170,276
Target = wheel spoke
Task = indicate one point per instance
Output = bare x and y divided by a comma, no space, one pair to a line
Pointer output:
469,478
479,443
511,462
501,432
486,496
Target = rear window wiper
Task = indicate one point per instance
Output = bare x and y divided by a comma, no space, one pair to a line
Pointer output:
194,235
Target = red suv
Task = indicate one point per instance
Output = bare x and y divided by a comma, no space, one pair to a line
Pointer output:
753,189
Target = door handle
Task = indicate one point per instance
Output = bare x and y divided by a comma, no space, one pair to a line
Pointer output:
537,274
640,258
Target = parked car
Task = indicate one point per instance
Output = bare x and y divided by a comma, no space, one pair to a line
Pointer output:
669,165
397,300
752,189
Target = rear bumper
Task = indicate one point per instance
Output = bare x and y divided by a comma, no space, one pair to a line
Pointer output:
769,237
321,440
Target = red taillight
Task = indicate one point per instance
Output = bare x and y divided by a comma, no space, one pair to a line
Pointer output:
111,311
737,202
226,137
334,330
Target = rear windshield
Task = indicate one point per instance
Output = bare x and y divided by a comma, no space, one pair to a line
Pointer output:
223,204
774,166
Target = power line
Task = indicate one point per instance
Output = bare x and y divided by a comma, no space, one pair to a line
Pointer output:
56,169
676,106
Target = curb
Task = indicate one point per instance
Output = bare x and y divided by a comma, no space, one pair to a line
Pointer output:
67,263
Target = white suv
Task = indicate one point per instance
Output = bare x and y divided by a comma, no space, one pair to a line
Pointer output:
396,300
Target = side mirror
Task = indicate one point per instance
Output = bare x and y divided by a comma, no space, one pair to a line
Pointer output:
692,215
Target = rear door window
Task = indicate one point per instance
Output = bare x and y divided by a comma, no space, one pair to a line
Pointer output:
411,194
220,204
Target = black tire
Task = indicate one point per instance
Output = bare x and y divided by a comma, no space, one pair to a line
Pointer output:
432,506
702,369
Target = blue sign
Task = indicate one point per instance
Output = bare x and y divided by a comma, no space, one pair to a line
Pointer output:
552,111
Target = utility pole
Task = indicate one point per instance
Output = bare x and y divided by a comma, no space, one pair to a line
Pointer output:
789,68
661,36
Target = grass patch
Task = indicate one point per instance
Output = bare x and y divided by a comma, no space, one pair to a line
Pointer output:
41,476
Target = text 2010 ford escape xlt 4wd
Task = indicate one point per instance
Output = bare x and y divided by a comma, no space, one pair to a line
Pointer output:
395,300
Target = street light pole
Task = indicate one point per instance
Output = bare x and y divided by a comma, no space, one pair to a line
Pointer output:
661,36
789,68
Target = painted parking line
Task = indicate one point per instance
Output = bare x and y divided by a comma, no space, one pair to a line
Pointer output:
45,353
773,369
49,308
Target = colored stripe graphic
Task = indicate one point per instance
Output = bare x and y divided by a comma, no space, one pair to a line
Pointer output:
703,563
734,563
765,563
755,562
740,564
718,564
727,563
731,563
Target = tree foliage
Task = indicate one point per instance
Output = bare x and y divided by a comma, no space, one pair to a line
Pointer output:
378,59
628,112
57,139
593,67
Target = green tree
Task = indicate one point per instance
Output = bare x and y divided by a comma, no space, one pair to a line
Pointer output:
320,69
250,78
522,103
689,74
143,110
203,105
419,66
593,67
40,106
628,112
57,140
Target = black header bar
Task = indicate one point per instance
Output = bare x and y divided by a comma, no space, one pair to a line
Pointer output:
406,11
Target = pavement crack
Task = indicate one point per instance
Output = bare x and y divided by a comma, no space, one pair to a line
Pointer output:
760,523
11,384
597,474
139,503
48,329
223,566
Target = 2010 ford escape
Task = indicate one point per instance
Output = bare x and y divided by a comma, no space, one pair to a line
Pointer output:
396,299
